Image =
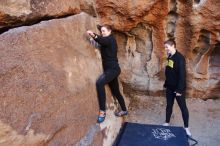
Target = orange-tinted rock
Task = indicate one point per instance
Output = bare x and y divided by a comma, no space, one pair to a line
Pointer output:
194,25
47,76
16,13
48,70
126,14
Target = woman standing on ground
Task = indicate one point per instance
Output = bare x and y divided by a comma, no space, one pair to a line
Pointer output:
108,48
175,83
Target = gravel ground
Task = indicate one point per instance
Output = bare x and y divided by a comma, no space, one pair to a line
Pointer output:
204,117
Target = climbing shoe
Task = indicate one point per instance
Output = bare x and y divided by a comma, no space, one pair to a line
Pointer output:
101,117
121,113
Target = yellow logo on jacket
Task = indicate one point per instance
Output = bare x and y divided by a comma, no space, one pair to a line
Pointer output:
170,63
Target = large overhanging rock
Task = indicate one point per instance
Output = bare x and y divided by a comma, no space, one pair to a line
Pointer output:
47,96
19,12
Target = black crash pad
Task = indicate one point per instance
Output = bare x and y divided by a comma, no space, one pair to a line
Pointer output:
134,134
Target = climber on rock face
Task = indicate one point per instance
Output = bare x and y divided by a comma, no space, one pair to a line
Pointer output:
108,48
175,83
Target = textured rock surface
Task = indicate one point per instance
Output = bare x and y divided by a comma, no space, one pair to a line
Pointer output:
143,26
47,76
15,13
204,49
48,70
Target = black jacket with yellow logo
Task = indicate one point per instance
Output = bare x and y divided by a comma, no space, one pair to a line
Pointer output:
176,73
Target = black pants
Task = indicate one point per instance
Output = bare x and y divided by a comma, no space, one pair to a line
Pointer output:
110,77
170,95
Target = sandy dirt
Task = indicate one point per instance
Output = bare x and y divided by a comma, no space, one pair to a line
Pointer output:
204,119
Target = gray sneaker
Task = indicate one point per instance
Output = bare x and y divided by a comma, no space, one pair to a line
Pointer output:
121,113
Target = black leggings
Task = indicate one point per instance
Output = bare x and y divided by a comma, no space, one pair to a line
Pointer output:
110,77
170,95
